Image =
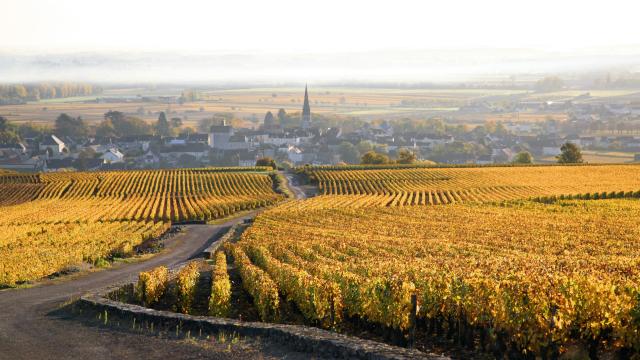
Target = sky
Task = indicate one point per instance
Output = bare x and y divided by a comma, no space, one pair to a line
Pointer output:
305,40
326,26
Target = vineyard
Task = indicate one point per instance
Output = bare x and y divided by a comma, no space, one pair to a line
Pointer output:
434,186
535,276
53,221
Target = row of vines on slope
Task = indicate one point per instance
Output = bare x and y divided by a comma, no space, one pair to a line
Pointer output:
434,186
536,276
52,222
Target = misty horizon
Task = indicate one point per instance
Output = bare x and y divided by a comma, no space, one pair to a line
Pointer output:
278,67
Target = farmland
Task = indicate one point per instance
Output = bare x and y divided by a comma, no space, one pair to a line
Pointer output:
250,104
425,186
536,276
52,221
534,261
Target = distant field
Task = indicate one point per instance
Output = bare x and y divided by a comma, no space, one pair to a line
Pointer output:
528,117
600,157
251,104
568,94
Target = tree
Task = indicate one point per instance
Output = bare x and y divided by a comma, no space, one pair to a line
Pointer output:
282,116
124,125
4,123
188,161
176,122
84,156
266,161
349,153
406,156
374,158
69,126
569,154
523,157
549,83
269,120
364,146
162,125
105,129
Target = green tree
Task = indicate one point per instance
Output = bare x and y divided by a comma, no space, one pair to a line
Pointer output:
373,158
84,156
176,122
364,146
266,161
569,154
4,123
105,129
125,125
162,125
523,157
67,125
282,116
349,153
406,156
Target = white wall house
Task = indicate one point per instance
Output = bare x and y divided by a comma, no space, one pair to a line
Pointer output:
112,156
54,146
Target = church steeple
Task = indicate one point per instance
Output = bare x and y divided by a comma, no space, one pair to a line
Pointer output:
306,110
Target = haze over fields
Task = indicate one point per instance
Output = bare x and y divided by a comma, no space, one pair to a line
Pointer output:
282,41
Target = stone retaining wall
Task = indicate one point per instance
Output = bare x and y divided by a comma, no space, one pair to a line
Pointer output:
209,251
300,338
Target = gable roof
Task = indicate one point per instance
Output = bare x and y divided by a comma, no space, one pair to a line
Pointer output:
52,140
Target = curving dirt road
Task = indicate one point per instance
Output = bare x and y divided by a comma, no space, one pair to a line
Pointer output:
293,186
28,331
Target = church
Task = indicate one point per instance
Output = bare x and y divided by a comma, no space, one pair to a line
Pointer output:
306,111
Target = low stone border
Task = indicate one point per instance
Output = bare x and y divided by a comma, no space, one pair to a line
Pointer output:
209,251
300,338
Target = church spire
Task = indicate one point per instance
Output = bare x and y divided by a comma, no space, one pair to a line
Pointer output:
306,110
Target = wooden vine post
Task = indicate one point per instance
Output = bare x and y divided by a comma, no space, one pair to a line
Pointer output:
412,321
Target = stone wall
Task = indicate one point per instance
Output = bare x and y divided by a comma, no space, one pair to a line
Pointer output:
299,338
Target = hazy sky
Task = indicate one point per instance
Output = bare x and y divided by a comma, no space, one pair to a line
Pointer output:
319,26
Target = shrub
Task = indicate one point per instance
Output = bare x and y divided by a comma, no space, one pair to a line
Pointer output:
151,285
186,286
220,299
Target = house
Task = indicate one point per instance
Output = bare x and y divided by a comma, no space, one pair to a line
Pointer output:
219,136
502,155
588,141
431,140
174,152
53,147
136,142
150,158
112,156
12,149
247,158
237,142
484,160
35,163
636,158
283,139
59,164
191,138
294,154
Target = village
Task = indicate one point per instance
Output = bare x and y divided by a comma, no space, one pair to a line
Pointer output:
592,127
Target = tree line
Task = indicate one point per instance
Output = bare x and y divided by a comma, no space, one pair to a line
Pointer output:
115,124
20,93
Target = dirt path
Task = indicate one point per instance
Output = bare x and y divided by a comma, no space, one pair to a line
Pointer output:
293,186
29,331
